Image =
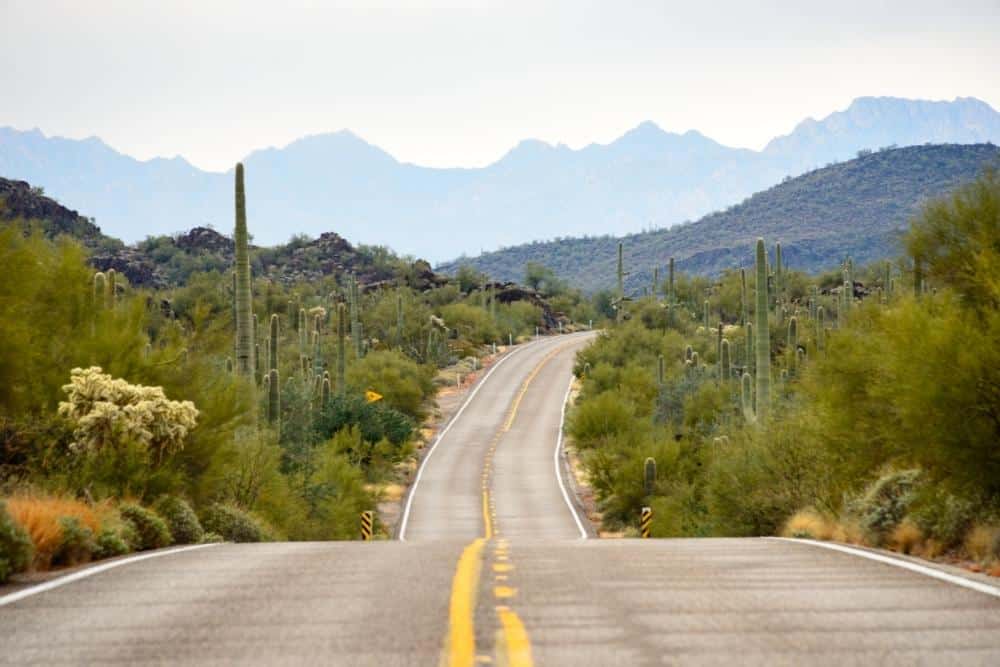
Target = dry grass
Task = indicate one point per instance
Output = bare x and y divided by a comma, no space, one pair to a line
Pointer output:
979,542
39,515
393,493
811,524
907,538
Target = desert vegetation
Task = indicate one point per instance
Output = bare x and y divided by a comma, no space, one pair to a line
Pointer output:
223,404
861,404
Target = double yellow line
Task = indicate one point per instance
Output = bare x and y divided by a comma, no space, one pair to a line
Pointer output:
460,647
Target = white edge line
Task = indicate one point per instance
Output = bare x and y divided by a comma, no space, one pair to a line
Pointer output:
91,571
904,564
440,436
555,458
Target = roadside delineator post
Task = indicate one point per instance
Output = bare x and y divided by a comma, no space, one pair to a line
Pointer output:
366,525
646,522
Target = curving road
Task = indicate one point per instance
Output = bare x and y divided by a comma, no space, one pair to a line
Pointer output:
491,568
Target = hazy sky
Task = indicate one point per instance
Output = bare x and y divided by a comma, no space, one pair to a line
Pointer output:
460,83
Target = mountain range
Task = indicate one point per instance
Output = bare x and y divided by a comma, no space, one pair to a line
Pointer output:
647,178
856,208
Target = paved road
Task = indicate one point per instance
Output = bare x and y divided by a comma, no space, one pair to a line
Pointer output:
492,569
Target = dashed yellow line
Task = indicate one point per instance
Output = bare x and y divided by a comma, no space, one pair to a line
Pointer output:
461,642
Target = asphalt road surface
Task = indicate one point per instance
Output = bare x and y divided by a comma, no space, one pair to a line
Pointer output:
491,567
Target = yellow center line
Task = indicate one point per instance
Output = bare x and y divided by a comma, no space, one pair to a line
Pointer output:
461,642
462,607
517,646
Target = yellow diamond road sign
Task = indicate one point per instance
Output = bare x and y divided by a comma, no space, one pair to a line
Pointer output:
372,396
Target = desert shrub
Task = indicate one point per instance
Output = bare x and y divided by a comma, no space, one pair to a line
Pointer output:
604,416
979,542
809,524
473,323
181,519
16,549
234,524
404,384
41,517
374,421
211,538
942,516
152,530
111,542
884,503
77,543
906,537
339,495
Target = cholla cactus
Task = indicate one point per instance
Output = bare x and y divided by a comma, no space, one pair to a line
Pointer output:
108,412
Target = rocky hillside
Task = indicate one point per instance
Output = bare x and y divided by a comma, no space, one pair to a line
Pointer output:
856,207
21,203
165,261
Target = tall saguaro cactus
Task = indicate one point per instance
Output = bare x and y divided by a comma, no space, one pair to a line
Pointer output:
744,300
341,347
763,334
273,396
272,342
649,475
619,311
244,298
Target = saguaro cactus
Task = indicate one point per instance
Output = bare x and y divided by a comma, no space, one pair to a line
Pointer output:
793,343
244,298
100,287
399,319
779,283
820,328
671,296
272,343
744,301
649,475
273,396
763,342
725,363
659,370
619,311
111,288
341,347
656,282
746,398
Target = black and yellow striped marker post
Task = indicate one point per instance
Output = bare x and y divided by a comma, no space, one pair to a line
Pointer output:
366,526
646,521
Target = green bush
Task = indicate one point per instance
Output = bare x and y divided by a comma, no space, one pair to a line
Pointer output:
943,516
211,538
234,524
885,502
77,543
180,518
404,384
16,549
152,531
110,543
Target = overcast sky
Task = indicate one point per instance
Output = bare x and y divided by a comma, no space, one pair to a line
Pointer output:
459,85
